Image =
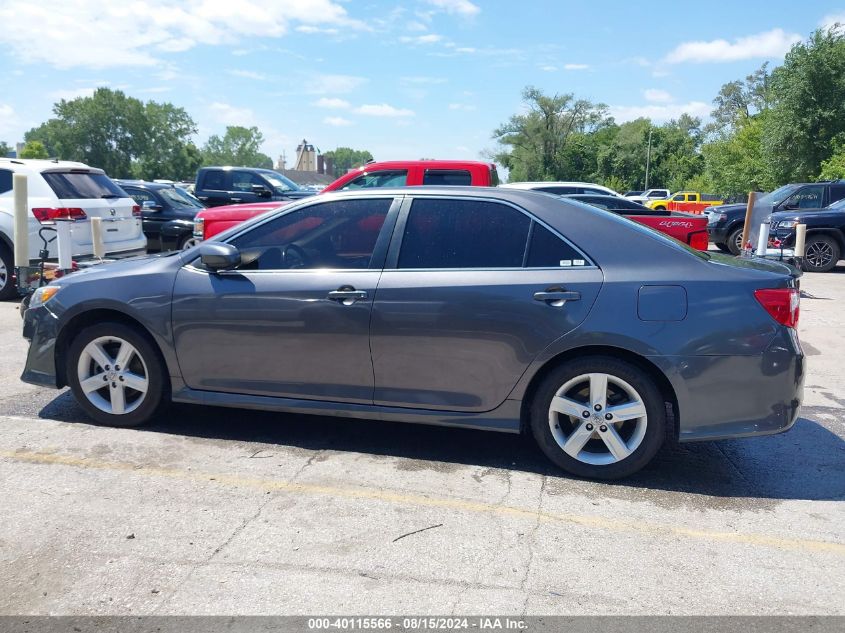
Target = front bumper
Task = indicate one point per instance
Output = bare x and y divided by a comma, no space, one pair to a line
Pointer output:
41,329
718,234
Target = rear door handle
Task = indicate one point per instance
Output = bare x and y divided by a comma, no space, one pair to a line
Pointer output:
557,297
347,296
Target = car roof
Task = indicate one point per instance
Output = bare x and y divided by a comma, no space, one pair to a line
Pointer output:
436,163
555,183
38,164
143,184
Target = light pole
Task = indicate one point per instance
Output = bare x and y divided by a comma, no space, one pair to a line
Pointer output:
648,158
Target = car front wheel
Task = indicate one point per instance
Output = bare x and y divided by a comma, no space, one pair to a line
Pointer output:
117,375
599,417
821,254
734,242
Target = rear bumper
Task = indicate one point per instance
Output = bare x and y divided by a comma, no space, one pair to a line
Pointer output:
725,397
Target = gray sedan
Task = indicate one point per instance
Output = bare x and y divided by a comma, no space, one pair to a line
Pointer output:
493,309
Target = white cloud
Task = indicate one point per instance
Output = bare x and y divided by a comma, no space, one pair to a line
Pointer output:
332,103
549,68
69,95
326,84
311,30
769,44
832,19
466,107
457,7
228,114
97,34
662,112
337,121
247,74
657,96
576,66
384,110
429,38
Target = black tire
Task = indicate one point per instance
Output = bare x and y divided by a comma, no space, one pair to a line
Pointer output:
636,378
821,254
722,247
157,396
660,207
7,274
186,242
734,241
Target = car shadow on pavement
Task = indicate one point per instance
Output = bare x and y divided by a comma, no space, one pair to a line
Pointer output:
807,463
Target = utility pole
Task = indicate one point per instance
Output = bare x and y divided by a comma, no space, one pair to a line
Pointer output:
648,158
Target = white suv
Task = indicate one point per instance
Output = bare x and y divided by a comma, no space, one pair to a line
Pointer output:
564,188
63,189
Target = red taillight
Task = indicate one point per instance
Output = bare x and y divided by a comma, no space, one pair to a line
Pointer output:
782,303
136,211
47,215
700,240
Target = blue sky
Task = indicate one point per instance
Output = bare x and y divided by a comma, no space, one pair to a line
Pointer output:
430,78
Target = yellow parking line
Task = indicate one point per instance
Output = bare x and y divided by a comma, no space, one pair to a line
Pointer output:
650,529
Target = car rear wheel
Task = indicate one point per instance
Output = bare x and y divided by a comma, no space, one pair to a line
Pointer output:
599,417
660,207
734,242
117,375
821,254
7,271
722,247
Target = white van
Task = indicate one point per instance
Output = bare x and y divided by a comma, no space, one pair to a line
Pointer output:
67,190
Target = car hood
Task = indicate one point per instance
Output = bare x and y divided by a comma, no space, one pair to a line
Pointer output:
122,267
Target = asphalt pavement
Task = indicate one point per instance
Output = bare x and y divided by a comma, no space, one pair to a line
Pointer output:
217,511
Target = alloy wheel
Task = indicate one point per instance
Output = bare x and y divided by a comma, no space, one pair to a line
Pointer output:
598,418
4,274
819,254
190,243
113,375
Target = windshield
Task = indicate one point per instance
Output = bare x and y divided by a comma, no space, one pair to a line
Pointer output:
279,182
780,194
180,199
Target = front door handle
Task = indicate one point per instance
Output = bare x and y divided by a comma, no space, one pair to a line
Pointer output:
347,295
557,298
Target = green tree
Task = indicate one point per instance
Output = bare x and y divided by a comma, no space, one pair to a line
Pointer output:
536,144
345,158
239,146
34,149
737,101
736,164
808,107
121,135
834,167
4,149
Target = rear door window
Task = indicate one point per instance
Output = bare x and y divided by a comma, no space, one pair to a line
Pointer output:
443,233
449,177
215,180
547,250
82,185
138,195
388,178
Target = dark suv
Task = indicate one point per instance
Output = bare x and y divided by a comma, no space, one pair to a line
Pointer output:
217,186
725,222
167,213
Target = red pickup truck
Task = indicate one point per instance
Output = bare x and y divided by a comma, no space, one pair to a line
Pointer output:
398,173
689,229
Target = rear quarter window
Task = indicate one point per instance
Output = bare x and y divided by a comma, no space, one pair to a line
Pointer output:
82,185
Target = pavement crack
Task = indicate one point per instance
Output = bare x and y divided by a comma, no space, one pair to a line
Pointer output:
531,540
308,463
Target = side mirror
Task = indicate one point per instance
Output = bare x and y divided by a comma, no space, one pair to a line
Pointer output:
261,191
150,205
217,256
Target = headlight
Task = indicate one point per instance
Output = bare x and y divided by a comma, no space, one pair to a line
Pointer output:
787,224
43,295
199,225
